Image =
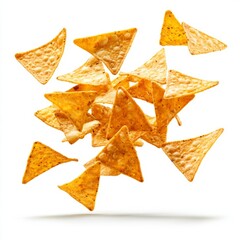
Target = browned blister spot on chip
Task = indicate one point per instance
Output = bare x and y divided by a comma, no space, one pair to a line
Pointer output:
42,62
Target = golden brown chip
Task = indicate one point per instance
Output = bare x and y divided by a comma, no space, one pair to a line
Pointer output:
199,42
155,69
41,159
166,109
172,33
121,155
74,104
71,132
47,115
84,188
42,62
110,48
142,90
156,137
126,112
92,72
179,84
187,154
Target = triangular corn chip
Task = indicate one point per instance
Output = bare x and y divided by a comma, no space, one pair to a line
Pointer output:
126,112
85,187
91,72
172,33
187,154
155,69
166,109
42,62
142,90
47,115
199,42
179,84
110,48
121,155
71,132
74,104
41,159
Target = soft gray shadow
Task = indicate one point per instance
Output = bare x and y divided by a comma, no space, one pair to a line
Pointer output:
130,216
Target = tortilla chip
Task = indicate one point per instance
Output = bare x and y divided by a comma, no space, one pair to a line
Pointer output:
74,104
155,69
41,159
42,62
47,115
166,109
187,154
156,137
71,132
172,33
126,112
121,155
101,113
110,48
92,72
199,42
142,90
84,188
179,85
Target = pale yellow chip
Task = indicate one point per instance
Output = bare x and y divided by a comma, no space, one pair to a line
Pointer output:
166,109
74,104
126,112
110,48
179,84
41,159
199,42
71,132
187,154
92,72
172,33
121,155
42,62
155,69
142,90
84,188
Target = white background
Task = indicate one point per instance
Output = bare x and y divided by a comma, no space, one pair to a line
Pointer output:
165,205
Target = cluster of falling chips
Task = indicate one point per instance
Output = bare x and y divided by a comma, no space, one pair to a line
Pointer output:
107,108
